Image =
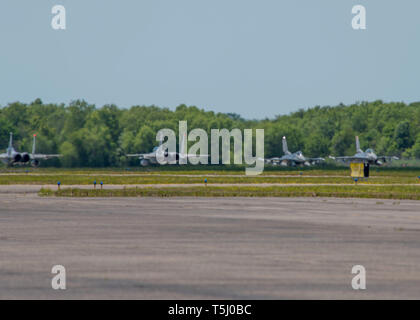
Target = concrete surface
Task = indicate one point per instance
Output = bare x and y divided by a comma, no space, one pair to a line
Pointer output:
35,188
208,248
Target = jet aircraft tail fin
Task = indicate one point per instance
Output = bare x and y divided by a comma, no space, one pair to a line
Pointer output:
11,140
285,149
34,144
358,145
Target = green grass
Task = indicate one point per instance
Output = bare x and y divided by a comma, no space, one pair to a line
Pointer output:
215,170
385,182
359,191
87,179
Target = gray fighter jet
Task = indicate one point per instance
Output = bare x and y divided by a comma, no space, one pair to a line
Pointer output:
147,159
292,159
13,157
367,157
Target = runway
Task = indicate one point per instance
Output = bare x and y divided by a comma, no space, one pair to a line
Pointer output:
208,248
35,188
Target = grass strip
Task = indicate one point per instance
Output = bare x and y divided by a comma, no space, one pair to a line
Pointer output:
359,191
171,179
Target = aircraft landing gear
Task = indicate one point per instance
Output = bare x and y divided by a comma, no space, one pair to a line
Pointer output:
366,170
144,162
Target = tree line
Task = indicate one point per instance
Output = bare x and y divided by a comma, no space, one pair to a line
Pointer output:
99,137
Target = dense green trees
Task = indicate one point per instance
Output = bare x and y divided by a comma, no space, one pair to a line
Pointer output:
98,137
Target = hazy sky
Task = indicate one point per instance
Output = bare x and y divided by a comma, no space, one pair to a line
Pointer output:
256,58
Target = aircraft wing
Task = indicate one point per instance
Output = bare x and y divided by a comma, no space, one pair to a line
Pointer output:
141,156
315,159
4,156
135,155
348,158
388,158
273,160
40,156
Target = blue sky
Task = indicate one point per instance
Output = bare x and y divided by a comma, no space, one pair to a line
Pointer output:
256,58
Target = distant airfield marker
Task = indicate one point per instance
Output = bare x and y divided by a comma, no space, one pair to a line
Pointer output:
94,184
58,185
102,184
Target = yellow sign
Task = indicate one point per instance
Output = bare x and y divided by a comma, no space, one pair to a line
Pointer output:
357,170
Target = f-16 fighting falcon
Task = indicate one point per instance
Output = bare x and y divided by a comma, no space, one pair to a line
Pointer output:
293,159
13,157
147,159
368,156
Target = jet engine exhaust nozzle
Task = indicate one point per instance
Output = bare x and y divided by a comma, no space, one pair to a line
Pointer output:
25,157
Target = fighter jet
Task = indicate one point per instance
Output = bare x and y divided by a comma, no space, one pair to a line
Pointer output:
367,157
12,157
292,159
147,159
